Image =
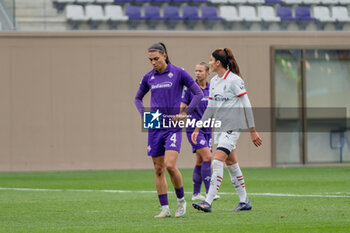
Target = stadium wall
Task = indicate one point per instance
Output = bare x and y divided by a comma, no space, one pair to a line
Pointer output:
66,99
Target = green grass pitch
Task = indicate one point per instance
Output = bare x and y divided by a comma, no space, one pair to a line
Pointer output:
75,202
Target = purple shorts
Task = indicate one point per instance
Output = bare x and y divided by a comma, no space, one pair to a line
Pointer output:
203,140
160,141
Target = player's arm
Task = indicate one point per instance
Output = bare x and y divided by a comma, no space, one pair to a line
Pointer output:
241,93
142,91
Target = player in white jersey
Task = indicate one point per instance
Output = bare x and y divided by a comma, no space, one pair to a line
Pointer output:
229,103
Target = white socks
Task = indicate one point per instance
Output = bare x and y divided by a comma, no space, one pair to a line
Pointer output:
238,181
165,207
216,179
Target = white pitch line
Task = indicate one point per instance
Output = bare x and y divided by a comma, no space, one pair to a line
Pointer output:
145,191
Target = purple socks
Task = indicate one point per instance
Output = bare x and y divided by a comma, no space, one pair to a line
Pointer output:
197,179
206,174
179,192
163,199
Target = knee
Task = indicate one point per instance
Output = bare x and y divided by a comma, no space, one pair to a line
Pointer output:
159,169
170,167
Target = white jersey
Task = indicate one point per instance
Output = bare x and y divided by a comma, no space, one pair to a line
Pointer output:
224,103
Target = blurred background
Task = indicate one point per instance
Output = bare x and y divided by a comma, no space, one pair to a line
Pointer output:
69,70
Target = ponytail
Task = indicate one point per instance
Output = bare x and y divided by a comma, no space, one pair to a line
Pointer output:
227,60
232,63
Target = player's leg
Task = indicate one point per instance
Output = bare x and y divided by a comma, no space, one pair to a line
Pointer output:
155,149
172,148
237,180
161,186
197,172
197,179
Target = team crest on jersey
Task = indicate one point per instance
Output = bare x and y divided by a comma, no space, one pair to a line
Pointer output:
170,75
225,88
202,142
152,77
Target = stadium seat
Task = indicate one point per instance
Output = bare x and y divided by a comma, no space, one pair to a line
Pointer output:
303,16
121,2
134,14
267,16
256,2
178,2
321,13
140,2
171,16
293,2
152,16
102,2
75,15
197,2
191,16
341,15
344,2
114,15
219,1
237,1
210,16
230,16
285,13
95,15
159,2
329,2
311,2
248,15
84,1
273,2
61,4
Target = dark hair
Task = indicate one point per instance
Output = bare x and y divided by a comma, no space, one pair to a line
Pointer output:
159,47
205,65
228,61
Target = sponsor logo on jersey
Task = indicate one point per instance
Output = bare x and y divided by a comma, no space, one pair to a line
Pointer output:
148,148
205,98
219,97
172,145
162,85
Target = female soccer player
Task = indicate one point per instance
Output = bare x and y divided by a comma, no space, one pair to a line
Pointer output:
166,83
202,169
228,102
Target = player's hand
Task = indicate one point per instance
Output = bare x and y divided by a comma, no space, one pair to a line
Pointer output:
256,139
179,117
194,136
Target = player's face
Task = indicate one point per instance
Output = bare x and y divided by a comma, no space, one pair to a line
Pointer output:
157,60
201,73
214,64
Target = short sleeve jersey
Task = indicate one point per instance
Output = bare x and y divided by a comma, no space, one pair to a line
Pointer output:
166,88
200,108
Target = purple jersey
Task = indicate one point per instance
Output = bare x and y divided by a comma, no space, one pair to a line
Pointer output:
200,108
166,88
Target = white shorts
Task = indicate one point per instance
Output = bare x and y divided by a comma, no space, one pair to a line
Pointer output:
226,141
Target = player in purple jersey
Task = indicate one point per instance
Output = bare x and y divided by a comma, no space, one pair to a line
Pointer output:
166,83
202,169
227,92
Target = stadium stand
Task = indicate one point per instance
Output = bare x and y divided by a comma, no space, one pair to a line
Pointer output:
303,16
200,14
267,16
75,15
114,14
248,15
171,16
322,14
210,17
